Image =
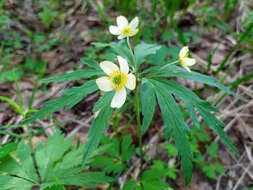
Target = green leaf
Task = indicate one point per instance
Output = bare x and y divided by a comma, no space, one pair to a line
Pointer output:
24,155
215,124
84,179
130,185
209,171
219,168
153,174
7,149
75,75
212,150
148,104
11,183
104,100
142,50
173,70
101,122
55,187
173,120
46,156
171,149
78,93
71,98
154,185
127,148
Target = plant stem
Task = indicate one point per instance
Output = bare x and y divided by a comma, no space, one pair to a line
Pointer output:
133,58
137,104
163,67
21,101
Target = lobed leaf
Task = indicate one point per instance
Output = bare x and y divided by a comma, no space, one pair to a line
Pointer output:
101,122
148,104
142,50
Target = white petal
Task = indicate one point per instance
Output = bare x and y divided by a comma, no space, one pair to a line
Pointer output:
131,82
114,30
121,36
183,52
134,23
134,31
119,98
189,61
123,65
104,84
122,22
108,67
187,68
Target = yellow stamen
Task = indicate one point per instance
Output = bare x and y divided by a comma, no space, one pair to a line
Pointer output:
127,31
118,80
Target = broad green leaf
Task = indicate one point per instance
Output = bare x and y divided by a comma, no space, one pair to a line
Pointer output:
148,104
7,149
27,164
47,155
159,57
101,123
10,166
14,183
85,179
142,50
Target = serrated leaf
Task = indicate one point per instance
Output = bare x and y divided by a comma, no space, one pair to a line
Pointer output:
47,155
173,119
173,70
90,63
71,98
11,183
96,130
154,185
75,75
215,124
78,93
7,149
104,100
55,187
85,179
130,185
212,150
142,50
24,155
148,104
127,148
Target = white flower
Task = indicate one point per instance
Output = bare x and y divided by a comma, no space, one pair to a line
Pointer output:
185,60
124,29
117,80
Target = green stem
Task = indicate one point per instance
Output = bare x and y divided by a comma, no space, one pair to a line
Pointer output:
163,67
133,58
137,104
21,101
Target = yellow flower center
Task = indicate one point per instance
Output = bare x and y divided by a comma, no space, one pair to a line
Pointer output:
127,31
118,80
